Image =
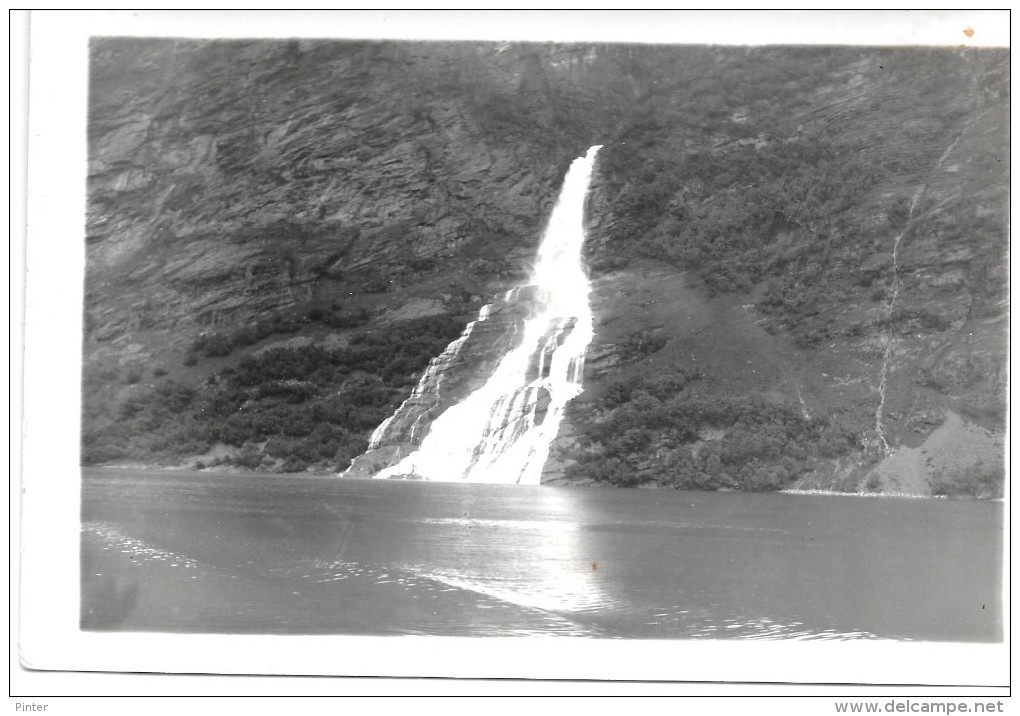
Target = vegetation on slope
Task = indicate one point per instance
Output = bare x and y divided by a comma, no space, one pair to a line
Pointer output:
648,430
777,179
283,408
785,175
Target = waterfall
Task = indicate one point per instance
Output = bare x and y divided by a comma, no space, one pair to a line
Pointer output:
431,381
890,311
501,432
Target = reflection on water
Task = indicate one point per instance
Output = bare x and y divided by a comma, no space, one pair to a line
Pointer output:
191,552
113,538
541,564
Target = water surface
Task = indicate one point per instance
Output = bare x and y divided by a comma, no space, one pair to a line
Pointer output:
196,552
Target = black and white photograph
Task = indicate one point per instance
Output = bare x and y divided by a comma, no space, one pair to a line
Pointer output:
509,346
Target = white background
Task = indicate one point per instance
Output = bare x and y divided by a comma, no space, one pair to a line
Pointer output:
49,637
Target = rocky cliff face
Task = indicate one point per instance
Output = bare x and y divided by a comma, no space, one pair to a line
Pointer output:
238,178
280,229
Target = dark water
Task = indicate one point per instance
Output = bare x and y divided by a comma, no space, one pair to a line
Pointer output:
191,552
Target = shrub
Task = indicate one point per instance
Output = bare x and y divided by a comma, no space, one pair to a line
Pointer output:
613,471
249,459
980,480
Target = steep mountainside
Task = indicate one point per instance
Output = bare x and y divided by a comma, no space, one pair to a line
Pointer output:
799,255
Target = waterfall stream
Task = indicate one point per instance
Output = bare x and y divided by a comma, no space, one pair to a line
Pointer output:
501,432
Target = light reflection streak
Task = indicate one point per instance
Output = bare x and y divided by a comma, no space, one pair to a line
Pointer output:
549,568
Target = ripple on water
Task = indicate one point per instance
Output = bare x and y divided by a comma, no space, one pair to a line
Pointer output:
113,539
705,626
567,604
521,613
476,522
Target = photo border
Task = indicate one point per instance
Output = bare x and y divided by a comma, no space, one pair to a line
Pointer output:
49,636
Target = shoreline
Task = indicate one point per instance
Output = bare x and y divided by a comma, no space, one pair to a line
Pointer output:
319,475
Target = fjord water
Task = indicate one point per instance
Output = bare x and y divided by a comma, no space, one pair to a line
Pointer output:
194,552
499,433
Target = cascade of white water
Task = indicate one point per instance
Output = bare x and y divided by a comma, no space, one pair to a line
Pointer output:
432,379
502,431
890,310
